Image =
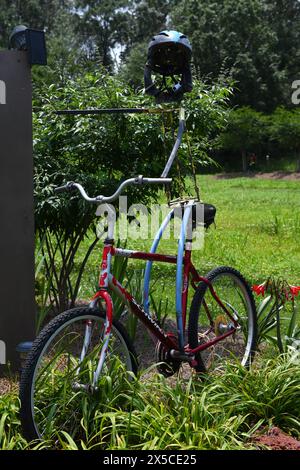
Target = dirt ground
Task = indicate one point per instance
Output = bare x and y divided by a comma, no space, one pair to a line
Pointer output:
7,385
275,175
275,439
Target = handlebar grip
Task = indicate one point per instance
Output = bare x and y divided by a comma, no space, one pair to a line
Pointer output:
60,189
66,187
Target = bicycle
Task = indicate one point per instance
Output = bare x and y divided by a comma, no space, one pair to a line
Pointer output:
75,354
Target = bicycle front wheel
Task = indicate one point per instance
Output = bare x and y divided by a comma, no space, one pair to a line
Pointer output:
209,321
58,390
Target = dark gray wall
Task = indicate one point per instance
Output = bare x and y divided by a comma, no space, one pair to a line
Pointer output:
17,311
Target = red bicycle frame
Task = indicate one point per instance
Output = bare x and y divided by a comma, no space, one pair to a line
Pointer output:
108,281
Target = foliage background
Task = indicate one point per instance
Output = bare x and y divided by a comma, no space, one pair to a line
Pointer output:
250,45
255,42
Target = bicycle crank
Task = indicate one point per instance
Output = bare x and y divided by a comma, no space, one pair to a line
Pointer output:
166,365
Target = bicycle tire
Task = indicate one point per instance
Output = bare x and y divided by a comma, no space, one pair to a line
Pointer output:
40,345
197,312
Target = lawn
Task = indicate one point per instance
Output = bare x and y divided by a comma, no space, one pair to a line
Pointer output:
257,232
258,226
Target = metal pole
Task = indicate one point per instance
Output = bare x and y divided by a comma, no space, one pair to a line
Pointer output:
114,111
176,145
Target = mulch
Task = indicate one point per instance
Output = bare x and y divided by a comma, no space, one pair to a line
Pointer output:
275,439
7,385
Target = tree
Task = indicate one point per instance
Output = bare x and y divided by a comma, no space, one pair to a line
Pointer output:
37,14
284,16
284,129
244,133
150,17
56,19
255,41
103,25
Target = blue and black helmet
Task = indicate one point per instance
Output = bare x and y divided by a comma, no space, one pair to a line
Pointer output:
169,54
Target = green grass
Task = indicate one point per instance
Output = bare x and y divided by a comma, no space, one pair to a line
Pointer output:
221,412
257,232
258,227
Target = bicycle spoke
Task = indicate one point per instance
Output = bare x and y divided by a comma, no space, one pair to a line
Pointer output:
225,317
67,380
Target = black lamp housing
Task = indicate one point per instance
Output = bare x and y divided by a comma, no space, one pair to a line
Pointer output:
30,40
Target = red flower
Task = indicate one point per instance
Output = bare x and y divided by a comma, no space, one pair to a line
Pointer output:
294,290
259,289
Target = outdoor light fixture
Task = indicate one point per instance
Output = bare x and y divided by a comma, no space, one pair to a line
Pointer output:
30,40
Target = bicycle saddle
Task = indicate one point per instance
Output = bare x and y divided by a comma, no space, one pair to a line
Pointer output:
209,211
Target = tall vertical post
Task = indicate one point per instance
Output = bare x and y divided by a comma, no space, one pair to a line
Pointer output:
17,311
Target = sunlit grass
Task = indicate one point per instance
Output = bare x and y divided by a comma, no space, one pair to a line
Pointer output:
221,412
257,232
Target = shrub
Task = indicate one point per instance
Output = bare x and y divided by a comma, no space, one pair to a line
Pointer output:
98,152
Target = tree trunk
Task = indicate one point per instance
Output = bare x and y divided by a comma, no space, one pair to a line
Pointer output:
244,161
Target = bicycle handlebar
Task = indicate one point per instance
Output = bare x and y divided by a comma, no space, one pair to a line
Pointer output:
70,186
66,187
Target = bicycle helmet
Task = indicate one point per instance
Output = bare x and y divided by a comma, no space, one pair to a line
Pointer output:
169,54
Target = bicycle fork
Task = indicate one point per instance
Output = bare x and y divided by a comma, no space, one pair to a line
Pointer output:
107,332
104,295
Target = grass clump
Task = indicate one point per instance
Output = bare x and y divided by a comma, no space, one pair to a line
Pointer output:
221,412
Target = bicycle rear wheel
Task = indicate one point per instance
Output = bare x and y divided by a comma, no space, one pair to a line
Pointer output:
57,389
208,320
